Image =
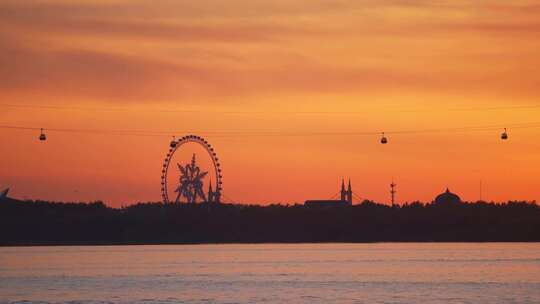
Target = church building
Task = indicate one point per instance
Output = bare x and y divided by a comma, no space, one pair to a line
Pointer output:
447,198
346,197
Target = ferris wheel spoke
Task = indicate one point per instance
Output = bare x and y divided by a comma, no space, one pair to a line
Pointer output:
177,197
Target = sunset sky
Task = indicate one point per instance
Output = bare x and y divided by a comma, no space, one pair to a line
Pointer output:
292,95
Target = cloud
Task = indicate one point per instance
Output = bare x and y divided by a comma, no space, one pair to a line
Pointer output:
90,74
165,30
235,54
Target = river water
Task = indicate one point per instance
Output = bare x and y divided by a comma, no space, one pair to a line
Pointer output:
273,273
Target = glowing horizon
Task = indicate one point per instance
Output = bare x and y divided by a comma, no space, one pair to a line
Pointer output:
280,67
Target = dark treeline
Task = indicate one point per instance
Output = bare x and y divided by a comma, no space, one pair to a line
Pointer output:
38,222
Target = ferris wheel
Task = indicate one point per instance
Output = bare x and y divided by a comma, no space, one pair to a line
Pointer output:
189,185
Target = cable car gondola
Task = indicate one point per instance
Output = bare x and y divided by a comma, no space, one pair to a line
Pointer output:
384,140
173,143
42,136
504,135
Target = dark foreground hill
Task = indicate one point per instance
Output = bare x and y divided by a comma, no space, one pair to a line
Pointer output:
45,223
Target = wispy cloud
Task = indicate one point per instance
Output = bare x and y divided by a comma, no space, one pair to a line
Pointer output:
140,51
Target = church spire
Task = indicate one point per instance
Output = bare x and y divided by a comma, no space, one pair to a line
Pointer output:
343,192
210,193
349,193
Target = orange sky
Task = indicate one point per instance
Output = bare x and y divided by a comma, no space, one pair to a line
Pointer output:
272,66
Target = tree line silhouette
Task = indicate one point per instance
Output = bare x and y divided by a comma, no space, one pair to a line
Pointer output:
55,223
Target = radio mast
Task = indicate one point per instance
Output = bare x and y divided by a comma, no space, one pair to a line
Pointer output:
393,192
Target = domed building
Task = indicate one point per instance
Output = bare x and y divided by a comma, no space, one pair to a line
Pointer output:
447,198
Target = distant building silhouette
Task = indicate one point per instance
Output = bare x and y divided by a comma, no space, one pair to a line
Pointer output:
447,198
3,194
345,195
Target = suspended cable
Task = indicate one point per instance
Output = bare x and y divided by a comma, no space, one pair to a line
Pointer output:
357,197
228,198
335,195
262,133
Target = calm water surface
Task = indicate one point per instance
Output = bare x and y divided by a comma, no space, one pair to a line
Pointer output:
273,273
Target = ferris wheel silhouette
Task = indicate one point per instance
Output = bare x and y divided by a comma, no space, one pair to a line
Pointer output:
190,185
